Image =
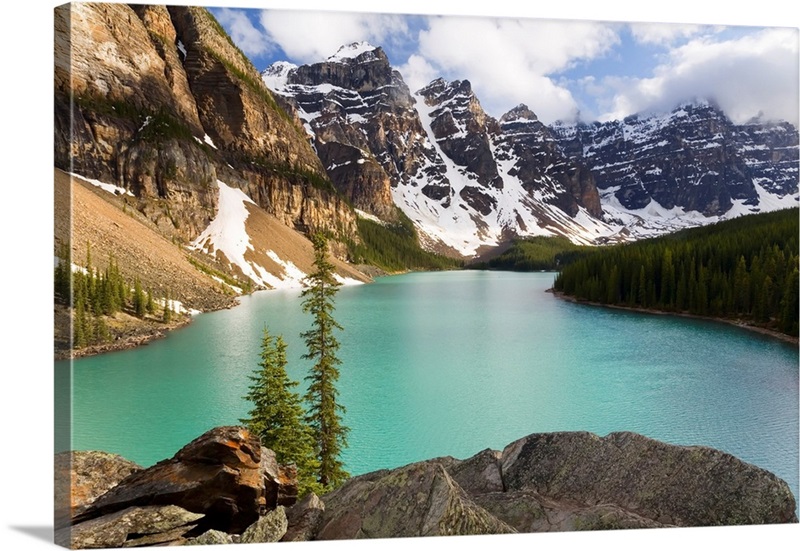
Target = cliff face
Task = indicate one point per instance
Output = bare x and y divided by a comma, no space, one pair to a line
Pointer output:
164,105
465,179
361,116
694,158
542,166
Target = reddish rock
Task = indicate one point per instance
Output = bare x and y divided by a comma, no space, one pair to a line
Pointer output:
220,474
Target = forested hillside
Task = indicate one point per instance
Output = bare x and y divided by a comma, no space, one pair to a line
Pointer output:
745,269
527,254
395,247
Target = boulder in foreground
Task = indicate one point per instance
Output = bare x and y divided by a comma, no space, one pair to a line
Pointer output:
559,482
224,475
225,488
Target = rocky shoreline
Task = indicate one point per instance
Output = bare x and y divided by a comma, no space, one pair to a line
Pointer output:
734,322
126,342
148,332
224,487
136,332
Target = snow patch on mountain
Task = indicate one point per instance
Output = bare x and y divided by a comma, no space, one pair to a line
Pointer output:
352,51
110,188
367,216
515,212
276,75
206,140
294,275
227,234
769,202
654,220
343,280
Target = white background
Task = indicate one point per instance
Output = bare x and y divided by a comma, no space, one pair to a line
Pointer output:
26,232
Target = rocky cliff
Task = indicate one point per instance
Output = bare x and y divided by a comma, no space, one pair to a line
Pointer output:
361,116
225,488
159,102
470,181
467,180
693,158
542,166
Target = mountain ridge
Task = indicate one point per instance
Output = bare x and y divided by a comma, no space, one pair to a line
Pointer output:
158,103
456,188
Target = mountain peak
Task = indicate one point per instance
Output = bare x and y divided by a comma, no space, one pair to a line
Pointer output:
699,104
277,74
440,86
354,50
520,112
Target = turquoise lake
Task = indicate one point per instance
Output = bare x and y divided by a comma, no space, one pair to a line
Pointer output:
450,363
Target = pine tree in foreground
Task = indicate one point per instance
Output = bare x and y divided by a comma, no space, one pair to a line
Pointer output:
324,410
277,414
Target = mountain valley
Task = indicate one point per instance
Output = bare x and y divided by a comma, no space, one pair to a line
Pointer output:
159,115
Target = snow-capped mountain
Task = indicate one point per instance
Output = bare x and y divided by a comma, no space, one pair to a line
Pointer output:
692,165
468,180
454,170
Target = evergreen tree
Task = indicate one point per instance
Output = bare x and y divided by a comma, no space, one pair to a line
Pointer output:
101,333
324,410
139,302
150,306
277,414
62,277
737,269
79,336
167,315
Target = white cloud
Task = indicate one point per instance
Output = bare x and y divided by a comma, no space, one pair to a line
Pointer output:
250,40
746,76
509,61
313,36
417,72
663,33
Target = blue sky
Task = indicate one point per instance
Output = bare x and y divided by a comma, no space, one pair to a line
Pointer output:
595,70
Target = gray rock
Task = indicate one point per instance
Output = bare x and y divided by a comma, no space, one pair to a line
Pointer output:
304,518
212,537
420,499
280,481
133,527
540,483
479,474
269,528
527,511
683,486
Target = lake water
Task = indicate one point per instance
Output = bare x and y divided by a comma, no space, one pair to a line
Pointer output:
451,363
